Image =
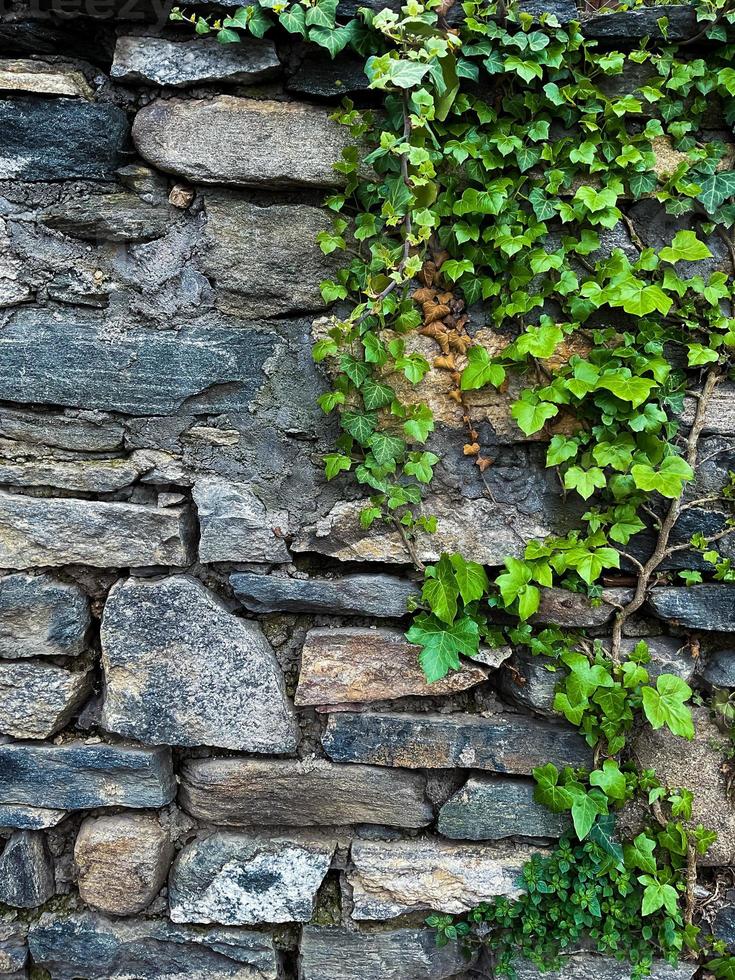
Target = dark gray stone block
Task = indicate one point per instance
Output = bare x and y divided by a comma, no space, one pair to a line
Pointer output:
110,218
488,808
719,668
348,595
40,616
26,871
629,26
706,607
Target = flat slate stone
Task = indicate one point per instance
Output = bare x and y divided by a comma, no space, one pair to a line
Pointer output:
241,142
236,879
26,871
559,607
489,808
84,360
264,259
38,699
358,664
13,948
349,595
501,743
704,607
391,878
41,78
84,944
77,776
182,670
40,616
60,139
235,525
29,817
587,966
63,530
629,26
396,954
293,793
525,680
178,63
75,430
719,668
110,218
329,78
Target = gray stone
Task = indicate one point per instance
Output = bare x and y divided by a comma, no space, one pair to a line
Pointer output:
63,530
181,670
179,63
78,776
26,871
265,260
329,79
122,861
397,954
704,607
720,415
25,466
358,664
698,766
86,360
669,655
347,595
40,78
588,966
39,699
500,743
628,26
719,668
110,218
87,945
564,10
13,948
236,526
489,808
29,817
293,793
526,680
560,607
723,926
40,616
391,878
237,879
60,139
242,142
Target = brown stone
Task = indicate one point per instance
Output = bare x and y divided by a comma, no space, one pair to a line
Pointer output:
359,664
122,860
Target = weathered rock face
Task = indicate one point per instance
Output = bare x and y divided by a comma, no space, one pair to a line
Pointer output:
236,526
528,681
164,62
502,743
60,139
37,699
24,75
398,954
40,616
236,879
349,595
110,218
719,669
251,793
26,871
89,945
122,861
75,776
361,664
245,255
58,531
704,607
697,766
391,878
202,676
633,24
242,142
488,808
13,950
29,817
572,610
587,966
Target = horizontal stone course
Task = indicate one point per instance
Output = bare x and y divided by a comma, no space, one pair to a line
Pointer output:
243,792
41,616
382,596
491,808
110,218
706,607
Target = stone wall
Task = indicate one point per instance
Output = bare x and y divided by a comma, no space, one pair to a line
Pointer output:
218,756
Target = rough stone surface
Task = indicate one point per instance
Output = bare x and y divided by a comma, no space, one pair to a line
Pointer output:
236,526
629,26
76,776
235,879
13,949
346,595
40,616
264,259
329,78
570,609
723,926
110,218
587,966
58,531
60,139
29,817
164,62
359,664
719,668
704,607
391,878
122,861
397,954
527,681
501,743
82,359
26,870
241,141
39,78
90,431
39,699
488,808
96,948
181,670
699,766
253,792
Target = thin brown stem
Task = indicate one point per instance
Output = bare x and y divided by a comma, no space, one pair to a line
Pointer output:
691,883
409,545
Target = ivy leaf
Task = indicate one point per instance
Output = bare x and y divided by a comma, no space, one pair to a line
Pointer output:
639,854
443,644
547,791
335,463
668,479
685,247
515,579
656,896
480,370
471,578
610,780
716,189
561,449
666,705
421,465
584,481
385,448
698,354
294,19
375,394
539,341
322,14
532,414
420,424
585,810
360,425
633,390
441,590
602,833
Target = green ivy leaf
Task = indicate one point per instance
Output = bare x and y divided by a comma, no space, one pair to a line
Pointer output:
685,247
665,705
443,644
668,479
610,780
531,414
441,590
471,578
480,371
